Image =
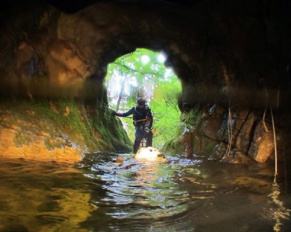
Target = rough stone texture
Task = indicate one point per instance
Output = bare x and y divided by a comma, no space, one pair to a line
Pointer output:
262,146
212,122
236,157
188,141
218,152
209,138
232,122
203,146
221,50
244,137
28,145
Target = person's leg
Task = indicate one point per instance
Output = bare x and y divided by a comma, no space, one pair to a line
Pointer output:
149,139
136,146
138,138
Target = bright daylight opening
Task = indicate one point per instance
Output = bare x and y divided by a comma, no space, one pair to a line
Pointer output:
143,74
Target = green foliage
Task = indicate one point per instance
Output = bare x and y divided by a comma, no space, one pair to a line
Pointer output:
136,74
188,122
142,73
140,63
166,114
173,145
192,118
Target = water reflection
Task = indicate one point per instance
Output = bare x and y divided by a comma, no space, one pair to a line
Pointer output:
140,189
102,195
280,212
187,195
41,196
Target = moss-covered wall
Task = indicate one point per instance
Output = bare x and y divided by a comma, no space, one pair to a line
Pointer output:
57,130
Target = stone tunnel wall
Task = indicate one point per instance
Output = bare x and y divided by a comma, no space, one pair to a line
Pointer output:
229,135
233,55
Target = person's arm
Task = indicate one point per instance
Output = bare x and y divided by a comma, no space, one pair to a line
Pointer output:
125,114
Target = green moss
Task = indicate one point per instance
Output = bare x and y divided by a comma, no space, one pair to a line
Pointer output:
111,130
174,145
53,143
69,119
204,146
189,122
21,138
192,118
63,117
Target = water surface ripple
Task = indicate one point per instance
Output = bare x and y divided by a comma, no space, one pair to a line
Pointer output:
178,195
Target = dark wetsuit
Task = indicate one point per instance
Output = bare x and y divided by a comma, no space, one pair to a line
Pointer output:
143,121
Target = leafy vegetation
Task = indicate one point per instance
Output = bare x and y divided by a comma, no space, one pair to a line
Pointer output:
188,123
142,73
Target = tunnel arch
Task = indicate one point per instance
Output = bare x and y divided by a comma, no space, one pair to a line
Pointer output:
215,57
101,39
201,49
123,33
221,48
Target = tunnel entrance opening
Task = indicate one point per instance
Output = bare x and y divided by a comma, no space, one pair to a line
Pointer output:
142,73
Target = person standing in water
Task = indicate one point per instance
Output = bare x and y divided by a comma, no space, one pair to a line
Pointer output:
142,120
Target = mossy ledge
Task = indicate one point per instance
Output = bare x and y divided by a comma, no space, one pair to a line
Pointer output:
59,130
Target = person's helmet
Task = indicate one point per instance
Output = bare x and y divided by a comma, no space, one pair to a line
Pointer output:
141,101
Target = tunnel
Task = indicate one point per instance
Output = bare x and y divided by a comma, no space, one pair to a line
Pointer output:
232,64
232,57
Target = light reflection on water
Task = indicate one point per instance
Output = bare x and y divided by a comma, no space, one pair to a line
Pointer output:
101,195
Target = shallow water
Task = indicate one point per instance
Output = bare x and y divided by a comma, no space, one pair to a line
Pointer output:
179,195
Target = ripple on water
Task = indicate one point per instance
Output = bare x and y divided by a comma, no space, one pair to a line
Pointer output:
184,195
143,190
100,195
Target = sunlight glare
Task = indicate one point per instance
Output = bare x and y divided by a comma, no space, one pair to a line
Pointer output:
133,81
169,72
149,154
161,58
145,59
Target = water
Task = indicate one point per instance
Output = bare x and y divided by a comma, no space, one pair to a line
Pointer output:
99,194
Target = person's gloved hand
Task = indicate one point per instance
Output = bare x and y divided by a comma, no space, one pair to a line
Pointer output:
146,129
113,113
